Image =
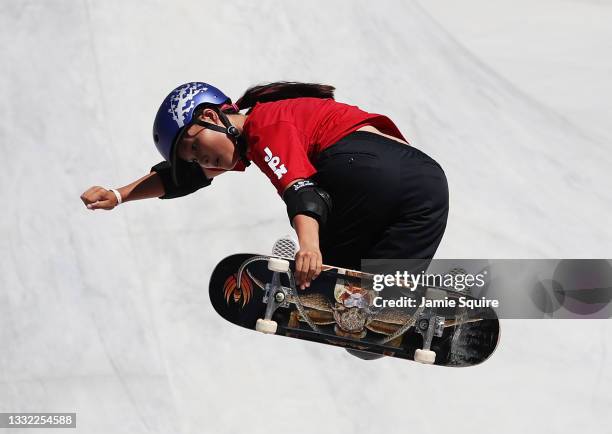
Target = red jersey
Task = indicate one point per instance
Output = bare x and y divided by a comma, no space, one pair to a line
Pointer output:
285,137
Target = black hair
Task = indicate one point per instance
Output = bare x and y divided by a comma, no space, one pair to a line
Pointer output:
280,90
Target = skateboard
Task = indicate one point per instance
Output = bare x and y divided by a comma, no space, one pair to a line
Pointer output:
259,292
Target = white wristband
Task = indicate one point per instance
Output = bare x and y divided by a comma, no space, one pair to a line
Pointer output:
117,195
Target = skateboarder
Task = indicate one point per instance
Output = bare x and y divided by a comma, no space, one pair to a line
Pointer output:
353,186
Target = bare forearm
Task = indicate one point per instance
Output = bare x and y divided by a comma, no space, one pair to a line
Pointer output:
307,229
149,186
308,260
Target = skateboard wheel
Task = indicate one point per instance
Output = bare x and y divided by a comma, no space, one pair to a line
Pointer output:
425,356
266,326
278,265
435,294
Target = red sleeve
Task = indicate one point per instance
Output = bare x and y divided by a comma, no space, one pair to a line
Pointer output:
279,150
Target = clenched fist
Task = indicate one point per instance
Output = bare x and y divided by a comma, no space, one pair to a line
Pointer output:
99,198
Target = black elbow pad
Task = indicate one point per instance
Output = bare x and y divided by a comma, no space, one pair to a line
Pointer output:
305,197
190,176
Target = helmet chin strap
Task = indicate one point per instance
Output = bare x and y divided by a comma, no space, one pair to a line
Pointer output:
231,131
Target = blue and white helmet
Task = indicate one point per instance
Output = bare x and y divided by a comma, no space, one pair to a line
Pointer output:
176,112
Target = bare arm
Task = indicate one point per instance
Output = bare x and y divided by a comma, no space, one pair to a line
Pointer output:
307,229
149,186
308,260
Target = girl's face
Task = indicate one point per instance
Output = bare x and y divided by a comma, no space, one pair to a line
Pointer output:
210,149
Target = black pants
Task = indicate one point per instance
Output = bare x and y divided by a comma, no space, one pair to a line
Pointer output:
390,201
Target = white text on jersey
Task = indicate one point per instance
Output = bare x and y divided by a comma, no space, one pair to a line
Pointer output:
273,161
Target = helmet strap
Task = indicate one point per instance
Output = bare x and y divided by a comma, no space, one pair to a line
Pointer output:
230,130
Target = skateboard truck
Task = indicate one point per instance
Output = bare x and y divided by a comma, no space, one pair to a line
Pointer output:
429,325
275,296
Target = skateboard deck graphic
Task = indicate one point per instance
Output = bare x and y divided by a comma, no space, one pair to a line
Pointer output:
339,309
